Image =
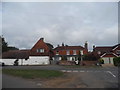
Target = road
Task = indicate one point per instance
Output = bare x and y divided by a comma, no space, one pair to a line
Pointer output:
17,82
89,77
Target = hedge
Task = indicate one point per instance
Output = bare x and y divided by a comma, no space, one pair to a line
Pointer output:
116,61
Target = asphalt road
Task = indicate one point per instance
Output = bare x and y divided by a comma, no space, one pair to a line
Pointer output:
91,77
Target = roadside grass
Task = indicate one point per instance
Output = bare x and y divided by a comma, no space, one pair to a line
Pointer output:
32,74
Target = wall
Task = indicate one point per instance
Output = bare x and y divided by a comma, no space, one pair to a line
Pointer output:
37,60
33,60
106,60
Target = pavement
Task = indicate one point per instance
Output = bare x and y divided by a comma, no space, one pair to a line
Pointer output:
106,77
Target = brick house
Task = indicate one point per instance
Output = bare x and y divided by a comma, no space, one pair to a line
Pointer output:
39,54
70,53
107,53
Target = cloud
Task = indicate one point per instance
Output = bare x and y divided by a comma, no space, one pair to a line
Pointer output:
71,23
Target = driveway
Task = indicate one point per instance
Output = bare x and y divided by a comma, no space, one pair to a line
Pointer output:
74,78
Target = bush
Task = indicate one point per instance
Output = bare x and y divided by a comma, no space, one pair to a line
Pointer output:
101,61
90,57
116,61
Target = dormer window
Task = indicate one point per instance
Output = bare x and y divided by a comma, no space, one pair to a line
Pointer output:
40,50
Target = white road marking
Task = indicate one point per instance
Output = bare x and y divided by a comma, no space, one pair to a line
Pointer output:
111,73
82,71
75,71
68,71
63,70
39,84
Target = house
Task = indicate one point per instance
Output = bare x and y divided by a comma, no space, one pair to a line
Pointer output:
107,53
8,58
70,53
39,54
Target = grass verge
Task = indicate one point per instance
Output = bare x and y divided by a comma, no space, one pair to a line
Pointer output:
31,74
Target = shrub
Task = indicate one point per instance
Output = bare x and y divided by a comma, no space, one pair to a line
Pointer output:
101,61
116,61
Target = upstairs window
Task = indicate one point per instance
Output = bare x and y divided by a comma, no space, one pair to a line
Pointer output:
81,52
40,50
99,52
118,52
68,52
74,52
57,52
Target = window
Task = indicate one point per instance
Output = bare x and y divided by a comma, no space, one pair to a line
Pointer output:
57,52
68,52
118,52
99,52
40,50
74,52
81,52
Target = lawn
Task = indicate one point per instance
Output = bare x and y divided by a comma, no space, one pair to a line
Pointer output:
33,73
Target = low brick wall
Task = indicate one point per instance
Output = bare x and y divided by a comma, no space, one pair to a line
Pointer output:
89,63
86,63
66,63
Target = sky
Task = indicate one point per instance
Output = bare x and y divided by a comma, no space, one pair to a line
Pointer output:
72,23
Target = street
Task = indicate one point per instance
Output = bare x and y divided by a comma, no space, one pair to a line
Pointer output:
76,78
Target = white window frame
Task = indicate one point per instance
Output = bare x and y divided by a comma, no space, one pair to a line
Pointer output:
68,52
74,52
81,52
40,50
99,52
57,52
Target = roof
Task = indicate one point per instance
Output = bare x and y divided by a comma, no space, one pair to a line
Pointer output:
16,54
103,49
69,48
109,55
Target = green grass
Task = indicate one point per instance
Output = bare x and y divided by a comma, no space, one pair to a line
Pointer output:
33,73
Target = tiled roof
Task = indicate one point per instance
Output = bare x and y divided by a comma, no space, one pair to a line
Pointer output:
109,55
16,54
69,48
103,49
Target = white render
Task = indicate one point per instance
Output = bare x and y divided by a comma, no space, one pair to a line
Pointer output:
108,60
37,60
8,61
33,60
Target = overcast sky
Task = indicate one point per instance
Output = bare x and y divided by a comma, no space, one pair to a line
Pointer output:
72,23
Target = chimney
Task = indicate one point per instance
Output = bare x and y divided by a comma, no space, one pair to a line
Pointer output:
86,45
93,47
42,39
58,45
62,44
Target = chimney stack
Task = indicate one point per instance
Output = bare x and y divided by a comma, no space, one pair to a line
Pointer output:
93,47
58,45
42,39
62,44
86,45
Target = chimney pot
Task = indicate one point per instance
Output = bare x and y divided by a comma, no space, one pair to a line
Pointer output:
42,39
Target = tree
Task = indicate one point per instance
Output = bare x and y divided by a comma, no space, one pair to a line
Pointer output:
4,44
116,61
90,57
